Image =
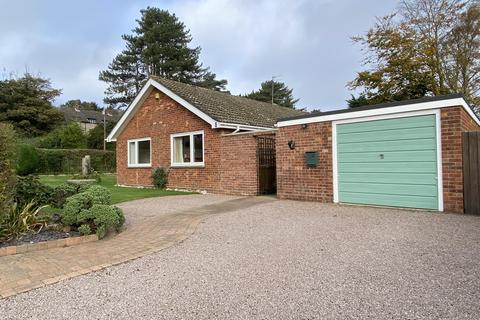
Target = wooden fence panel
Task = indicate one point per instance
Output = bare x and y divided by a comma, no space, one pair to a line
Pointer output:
471,172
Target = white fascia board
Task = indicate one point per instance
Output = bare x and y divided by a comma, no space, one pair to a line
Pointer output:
384,111
239,126
128,113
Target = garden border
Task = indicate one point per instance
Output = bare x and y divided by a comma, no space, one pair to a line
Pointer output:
43,245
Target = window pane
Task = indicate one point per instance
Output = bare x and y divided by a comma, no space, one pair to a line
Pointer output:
143,152
186,148
177,150
198,147
131,154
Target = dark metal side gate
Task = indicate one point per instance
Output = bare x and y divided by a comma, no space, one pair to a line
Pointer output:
471,172
266,165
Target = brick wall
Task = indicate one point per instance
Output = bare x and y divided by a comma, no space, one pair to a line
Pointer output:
158,119
230,161
294,179
238,172
454,121
297,181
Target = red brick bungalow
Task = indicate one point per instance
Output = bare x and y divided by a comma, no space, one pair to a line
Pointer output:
401,154
207,140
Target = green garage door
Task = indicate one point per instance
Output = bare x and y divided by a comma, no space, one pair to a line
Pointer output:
389,162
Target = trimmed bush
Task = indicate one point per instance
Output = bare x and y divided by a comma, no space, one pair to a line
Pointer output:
85,230
99,194
121,217
159,177
106,218
69,161
7,174
27,162
74,206
30,189
92,208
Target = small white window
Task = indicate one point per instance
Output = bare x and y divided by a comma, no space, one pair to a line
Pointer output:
139,152
187,149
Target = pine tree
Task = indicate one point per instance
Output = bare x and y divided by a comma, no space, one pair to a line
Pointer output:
282,95
159,46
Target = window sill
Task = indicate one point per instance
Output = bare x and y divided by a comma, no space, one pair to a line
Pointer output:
187,166
136,166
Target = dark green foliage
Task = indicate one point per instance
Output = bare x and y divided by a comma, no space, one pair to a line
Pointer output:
69,161
158,46
28,160
82,105
70,136
159,177
359,101
30,189
26,103
85,230
60,194
95,137
282,95
7,174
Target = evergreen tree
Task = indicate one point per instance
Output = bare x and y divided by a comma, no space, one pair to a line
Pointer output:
26,103
282,95
81,105
159,46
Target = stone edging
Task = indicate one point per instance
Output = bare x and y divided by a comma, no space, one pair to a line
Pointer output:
67,242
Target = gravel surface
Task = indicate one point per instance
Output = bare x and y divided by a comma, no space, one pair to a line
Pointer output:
286,260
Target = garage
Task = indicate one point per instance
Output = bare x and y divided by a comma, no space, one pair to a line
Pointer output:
406,154
389,162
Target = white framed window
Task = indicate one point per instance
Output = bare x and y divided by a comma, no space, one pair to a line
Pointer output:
139,152
187,149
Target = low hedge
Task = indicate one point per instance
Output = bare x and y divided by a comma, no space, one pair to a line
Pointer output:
69,161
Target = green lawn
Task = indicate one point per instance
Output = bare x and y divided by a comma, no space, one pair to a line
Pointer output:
119,194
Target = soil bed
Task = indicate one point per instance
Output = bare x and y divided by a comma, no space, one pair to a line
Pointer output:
46,235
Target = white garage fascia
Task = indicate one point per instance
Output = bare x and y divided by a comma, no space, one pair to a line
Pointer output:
435,112
419,106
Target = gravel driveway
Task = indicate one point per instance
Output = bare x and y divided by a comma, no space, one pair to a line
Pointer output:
286,260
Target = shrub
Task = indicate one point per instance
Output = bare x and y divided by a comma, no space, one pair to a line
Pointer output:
104,217
121,217
92,208
159,177
60,194
99,194
7,174
69,136
28,160
95,137
85,230
20,220
29,188
69,161
74,206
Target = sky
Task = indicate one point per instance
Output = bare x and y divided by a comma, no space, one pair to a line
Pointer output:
304,43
